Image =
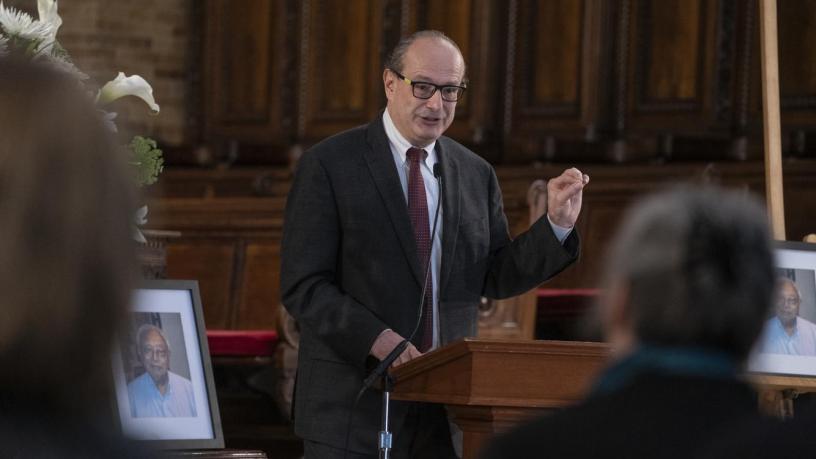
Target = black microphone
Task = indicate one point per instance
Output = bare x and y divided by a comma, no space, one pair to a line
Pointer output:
383,366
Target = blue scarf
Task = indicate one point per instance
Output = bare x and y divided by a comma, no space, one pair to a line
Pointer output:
687,361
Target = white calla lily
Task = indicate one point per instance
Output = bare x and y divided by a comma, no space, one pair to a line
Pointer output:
47,9
139,219
122,86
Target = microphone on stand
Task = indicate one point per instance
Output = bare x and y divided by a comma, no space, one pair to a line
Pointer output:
381,370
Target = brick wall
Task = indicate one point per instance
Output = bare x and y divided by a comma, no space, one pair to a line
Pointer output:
150,38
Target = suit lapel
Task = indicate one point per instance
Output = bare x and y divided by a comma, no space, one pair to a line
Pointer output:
381,164
450,206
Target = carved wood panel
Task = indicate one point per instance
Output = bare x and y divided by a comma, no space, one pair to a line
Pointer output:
211,262
553,78
671,67
260,289
340,66
797,75
245,85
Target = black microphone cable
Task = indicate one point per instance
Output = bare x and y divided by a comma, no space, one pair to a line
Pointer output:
383,366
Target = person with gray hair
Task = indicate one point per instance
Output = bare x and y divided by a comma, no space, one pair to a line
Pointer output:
688,285
786,332
158,392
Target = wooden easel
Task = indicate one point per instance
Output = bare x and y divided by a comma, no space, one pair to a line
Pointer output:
776,392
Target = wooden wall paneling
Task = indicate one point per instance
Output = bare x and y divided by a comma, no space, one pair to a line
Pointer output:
553,101
231,246
746,118
800,199
797,75
211,262
340,66
246,90
233,182
612,188
260,289
474,26
672,77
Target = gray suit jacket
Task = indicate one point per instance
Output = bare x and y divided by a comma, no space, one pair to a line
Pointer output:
350,268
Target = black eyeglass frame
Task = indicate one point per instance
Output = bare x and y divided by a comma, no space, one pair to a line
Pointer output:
436,87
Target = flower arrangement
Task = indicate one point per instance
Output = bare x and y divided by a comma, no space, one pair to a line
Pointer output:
36,39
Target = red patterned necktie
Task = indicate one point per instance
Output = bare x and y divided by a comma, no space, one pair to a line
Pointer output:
418,212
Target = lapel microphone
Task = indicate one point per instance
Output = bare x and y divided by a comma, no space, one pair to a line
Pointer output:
383,366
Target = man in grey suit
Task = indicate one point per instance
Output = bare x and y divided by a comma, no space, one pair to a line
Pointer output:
358,236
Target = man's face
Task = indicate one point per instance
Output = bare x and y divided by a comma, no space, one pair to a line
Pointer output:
431,60
787,304
155,356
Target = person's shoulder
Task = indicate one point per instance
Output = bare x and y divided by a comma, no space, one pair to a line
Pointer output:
806,323
462,154
179,380
137,381
338,144
555,432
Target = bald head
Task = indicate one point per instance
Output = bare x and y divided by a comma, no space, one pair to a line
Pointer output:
396,60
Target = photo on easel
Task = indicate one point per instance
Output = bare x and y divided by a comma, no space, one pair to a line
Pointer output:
162,371
787,345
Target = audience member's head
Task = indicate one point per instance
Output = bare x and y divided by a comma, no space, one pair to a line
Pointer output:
787,301
67,255
691,267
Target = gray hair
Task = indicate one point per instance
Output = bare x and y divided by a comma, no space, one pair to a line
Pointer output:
698,264
787,280
141,334
396,58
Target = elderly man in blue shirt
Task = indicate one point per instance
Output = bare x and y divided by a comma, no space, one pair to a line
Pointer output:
158,392
786,332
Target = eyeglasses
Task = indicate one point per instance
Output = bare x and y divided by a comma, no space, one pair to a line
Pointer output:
791,301
153,352
426,90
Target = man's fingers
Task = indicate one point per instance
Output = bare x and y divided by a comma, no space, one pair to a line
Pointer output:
407,355
570,191
567,178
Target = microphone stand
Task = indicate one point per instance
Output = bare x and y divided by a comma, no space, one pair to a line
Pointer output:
385,438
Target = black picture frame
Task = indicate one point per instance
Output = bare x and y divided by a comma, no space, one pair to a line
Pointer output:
795,261
174,306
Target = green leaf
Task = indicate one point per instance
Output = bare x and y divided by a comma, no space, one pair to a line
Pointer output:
146,159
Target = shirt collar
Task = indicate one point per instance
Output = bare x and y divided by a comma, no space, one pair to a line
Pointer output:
781,328
400,144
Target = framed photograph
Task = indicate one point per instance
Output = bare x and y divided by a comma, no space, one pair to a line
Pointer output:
162,371
788,342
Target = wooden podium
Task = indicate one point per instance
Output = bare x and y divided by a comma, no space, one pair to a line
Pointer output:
490,385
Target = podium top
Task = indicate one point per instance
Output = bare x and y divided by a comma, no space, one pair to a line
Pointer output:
510,373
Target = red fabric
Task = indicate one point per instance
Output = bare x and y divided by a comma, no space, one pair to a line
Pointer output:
248,343
554,302
548,292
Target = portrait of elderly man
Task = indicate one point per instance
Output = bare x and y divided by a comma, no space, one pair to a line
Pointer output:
158,392
786,332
